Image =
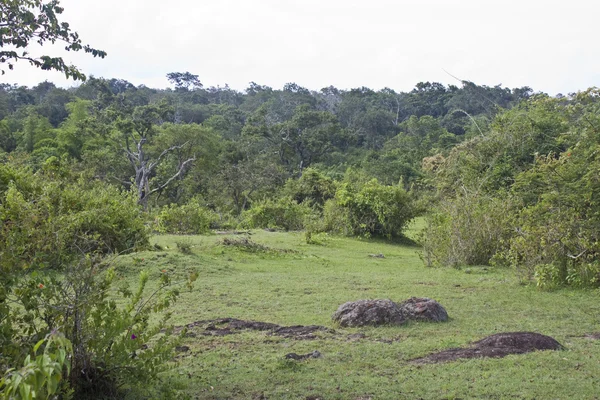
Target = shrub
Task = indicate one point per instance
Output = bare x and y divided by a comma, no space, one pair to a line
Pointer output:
283,213
45,222
41,376
184,246
371,209
336,219
466,230
108,336
191,219
312,188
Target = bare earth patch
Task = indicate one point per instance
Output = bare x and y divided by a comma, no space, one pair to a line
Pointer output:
496,346
230,326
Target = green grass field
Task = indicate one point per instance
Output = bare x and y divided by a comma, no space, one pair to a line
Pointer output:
306,286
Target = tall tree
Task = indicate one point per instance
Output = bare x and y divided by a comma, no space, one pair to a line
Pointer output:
138,132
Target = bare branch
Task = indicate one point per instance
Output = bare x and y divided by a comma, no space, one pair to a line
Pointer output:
171,179
164,153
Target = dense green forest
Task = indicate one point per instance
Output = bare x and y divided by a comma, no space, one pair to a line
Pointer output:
229,147
507,178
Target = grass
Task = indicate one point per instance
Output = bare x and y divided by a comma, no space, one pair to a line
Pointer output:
305,286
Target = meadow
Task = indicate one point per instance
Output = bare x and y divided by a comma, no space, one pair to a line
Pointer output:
283,280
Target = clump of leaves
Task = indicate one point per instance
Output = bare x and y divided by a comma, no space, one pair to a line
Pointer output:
466,230
42,375
246,244
369,209
284,213
191,218
184,246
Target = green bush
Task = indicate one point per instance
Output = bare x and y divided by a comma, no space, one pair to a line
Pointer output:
190,219
41,376
312,188
283,213
45,222
371,209
335,219
111,329
466,230
558,242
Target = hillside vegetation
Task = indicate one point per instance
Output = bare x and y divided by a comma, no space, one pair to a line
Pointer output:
101,186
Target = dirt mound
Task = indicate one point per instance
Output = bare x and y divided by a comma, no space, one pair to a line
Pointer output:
300,331
526,341
496,346
423,309
230,326
369,312
298,357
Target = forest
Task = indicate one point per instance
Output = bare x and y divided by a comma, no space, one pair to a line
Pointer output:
112,196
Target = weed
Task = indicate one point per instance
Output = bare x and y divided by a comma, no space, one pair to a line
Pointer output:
184,246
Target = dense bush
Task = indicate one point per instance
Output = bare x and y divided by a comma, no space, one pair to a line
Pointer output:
369,209
283,213
53,236
191,218
109,329
45,222
466,230
558,240
312,188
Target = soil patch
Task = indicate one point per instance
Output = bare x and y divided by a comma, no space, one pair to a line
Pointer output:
298,357
230,326
496,346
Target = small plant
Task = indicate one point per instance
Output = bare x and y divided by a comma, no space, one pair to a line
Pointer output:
284,213
190,219
246,244
184,246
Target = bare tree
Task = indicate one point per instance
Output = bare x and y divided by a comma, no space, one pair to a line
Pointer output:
138,133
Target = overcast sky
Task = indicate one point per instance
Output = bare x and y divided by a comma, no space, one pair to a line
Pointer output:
552,46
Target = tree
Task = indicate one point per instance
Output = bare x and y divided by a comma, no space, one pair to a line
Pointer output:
138,134
184,80
24,21
299,141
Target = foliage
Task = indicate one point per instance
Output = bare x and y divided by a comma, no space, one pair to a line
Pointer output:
25,21
47,221
283,213
371,209
190,218
110,331
312,188
466,230
184,246
557,241
41,376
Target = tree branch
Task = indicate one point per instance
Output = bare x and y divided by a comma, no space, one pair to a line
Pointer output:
164,153
171,179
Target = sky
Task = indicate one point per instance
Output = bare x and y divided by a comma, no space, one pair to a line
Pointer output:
551,46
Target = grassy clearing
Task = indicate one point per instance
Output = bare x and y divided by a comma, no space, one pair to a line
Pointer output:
306,286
